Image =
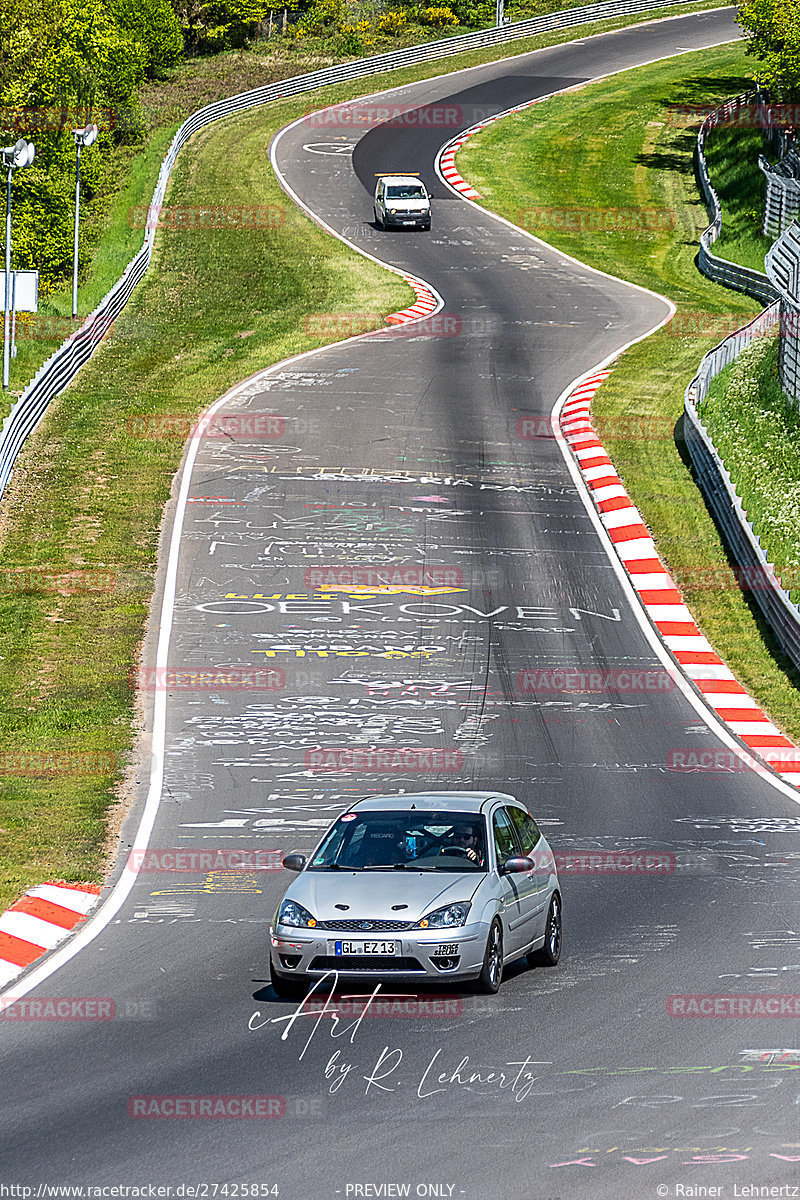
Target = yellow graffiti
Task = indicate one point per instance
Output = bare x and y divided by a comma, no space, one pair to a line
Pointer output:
215,881
298,652
388,589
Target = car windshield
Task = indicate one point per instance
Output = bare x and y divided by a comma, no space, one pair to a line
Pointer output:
405,191
394,841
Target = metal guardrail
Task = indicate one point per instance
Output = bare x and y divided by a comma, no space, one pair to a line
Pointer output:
780,611
62,367
721,270
775,602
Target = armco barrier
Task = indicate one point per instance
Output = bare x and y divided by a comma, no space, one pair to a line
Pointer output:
720,270
62,367
781,613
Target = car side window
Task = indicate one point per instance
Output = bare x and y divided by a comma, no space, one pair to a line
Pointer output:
526,828
505,843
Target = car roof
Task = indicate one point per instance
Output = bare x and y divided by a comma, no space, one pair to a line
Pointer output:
397,179
432,801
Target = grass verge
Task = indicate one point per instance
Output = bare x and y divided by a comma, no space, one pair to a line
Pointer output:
634,155
732,159
756,430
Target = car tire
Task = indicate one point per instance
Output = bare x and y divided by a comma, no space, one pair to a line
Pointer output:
287,989
549,954
379,223
490,978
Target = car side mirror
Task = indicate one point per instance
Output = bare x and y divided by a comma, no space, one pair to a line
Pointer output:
295,862
516,866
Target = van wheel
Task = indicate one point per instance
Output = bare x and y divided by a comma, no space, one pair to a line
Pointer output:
378,221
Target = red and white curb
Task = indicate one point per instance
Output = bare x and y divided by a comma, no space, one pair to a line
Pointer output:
425,304
660,597
446,159
39,921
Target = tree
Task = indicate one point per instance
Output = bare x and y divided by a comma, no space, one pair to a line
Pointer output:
153,26
772,30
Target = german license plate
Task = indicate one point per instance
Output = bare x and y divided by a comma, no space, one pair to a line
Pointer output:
409,222
364,948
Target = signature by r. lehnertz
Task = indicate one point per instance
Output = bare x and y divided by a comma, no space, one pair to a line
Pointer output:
388,1072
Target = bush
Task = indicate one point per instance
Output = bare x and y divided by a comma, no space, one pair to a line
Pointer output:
439,17
392,22
154,28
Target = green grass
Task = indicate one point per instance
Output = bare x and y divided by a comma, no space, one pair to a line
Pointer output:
611,145
756,430
732,159
89,493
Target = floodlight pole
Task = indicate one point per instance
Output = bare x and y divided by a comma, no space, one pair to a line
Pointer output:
78,145
83,137
7,314
21,154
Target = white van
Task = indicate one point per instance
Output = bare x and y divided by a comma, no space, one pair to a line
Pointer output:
402,200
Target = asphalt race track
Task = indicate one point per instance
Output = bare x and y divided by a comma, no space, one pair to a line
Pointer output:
402,448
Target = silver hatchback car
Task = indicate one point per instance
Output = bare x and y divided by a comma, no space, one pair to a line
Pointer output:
428,885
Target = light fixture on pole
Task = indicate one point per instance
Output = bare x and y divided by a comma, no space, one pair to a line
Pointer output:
83,137
21,154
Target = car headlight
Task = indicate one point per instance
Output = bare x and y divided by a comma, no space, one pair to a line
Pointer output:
292,913
446,918
392,210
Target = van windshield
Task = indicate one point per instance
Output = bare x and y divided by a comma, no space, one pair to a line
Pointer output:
405,191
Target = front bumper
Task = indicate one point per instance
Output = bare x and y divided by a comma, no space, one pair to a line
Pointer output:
408,219
422,954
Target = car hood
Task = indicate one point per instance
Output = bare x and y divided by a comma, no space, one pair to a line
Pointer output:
374,894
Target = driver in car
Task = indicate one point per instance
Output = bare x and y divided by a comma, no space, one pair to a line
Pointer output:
467,842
